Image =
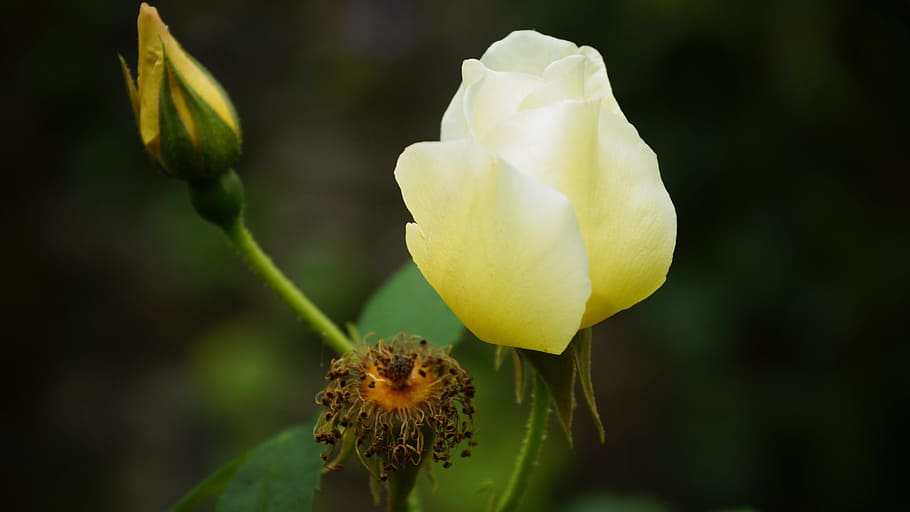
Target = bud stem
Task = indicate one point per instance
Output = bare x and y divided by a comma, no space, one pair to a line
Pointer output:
261,264
530,448
401,486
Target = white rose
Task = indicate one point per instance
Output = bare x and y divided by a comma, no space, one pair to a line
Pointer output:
540,211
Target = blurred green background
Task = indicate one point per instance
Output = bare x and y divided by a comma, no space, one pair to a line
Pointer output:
769,371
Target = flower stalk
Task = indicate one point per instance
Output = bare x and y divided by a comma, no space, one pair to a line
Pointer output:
262,265
530,449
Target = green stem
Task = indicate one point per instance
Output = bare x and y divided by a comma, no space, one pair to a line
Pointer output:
414,503
401,487
530,448
260,262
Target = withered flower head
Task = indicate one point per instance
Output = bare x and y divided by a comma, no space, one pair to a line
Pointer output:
395,401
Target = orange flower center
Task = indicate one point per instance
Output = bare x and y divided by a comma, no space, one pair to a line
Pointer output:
398,384
389,397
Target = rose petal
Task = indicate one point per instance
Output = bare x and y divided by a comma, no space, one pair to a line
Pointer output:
562,80
597,84
484,98
596,158
151,73
454,123
557,144
632,223
492,96
503,250
526,51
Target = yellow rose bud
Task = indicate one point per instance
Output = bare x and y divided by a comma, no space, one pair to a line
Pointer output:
185,119
540,211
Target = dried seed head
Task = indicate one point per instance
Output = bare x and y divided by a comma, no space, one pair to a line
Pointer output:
395,397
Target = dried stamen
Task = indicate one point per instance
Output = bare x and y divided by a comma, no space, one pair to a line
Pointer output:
396,397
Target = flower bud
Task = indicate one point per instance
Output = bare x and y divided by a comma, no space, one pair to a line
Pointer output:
185,119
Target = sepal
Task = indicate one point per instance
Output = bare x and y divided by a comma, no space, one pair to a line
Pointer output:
559,373
130,88
196,142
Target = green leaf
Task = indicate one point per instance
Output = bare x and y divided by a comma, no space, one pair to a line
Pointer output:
211,486
582,343
407,303
281,475
558,373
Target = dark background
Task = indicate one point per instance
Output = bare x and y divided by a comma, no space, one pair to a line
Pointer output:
771,370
